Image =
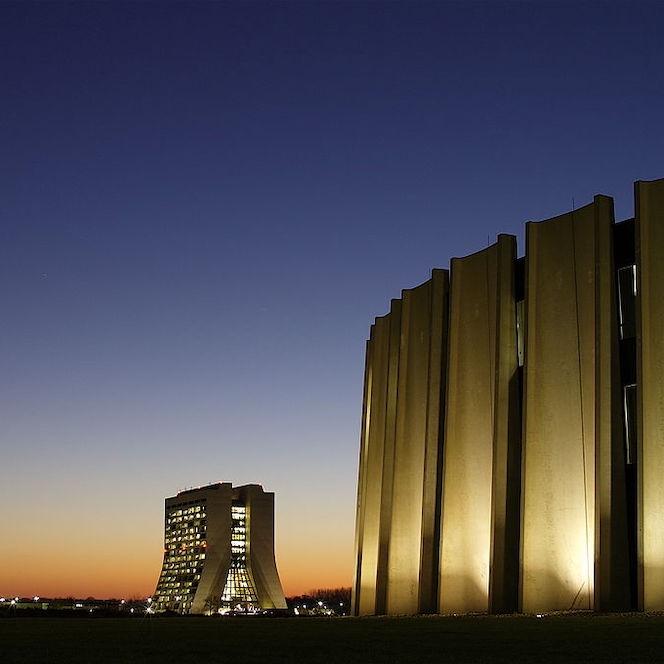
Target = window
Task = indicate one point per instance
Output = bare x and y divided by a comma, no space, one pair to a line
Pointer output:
239,587
520,332
629,406
627,301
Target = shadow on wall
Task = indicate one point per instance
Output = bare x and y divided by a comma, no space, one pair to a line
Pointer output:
475,595
555,593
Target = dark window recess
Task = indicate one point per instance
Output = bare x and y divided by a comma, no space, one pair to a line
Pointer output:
629,406
520,332
520,279
624,243
627,301
519,297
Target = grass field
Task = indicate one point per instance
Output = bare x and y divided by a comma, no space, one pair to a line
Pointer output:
568,638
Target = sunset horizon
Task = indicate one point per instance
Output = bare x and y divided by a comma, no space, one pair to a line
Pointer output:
396,262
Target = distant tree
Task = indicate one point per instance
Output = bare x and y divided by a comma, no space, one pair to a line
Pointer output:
335,599
332,595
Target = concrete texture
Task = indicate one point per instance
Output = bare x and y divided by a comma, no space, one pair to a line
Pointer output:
485,486
650,393
482,367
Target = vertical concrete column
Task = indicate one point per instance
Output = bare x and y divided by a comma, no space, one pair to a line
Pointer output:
478,547
218,551
375,476
567,404
433,456
388,457
612,572
361,480
414,527
373,469
650,391
261,562
506,480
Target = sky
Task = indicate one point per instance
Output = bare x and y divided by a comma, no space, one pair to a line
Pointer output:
203,206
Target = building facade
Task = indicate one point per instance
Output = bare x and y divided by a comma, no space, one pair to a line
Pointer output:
512,440
219,552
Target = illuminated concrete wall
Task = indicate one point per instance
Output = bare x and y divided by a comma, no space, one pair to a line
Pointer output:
650,391
497,470
260,545
568,421
414,530
217,544
377,458
399,478
480,523
361,484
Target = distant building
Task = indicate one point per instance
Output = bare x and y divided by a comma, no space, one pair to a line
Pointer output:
219,551
512,451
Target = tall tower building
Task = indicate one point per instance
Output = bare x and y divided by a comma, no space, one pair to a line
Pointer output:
219,551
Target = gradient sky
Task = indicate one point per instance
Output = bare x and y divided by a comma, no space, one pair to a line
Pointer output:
203,206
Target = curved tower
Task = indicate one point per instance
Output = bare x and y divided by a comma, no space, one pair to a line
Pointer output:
219,551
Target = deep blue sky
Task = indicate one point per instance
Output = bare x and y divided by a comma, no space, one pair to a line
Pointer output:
202,207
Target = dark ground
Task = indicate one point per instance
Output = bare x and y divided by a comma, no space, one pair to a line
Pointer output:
567,638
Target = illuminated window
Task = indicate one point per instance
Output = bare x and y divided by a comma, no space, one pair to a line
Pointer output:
182,566
239,588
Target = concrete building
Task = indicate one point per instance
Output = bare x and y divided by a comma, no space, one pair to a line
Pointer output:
512,446
219,551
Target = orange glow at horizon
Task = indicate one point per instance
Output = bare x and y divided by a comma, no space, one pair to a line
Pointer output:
89,557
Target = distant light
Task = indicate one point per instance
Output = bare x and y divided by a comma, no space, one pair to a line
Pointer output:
13,601
122,601
297,613
320,603
36,598
16,598
2,599
90,610
132,610
304,606
149,599
78,605
341,603
539,615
